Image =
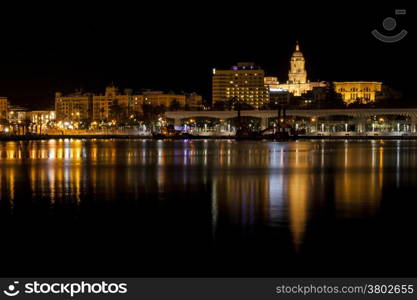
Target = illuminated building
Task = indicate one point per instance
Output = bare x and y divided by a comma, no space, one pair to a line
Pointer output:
18,119
4,108
271,82
244,82
112,104
127,103
136,104
277,95
73,107
18,114
298,83
156,98
362,91
41,118
170,101
194,101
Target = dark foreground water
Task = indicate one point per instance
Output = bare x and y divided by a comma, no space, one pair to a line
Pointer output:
208,208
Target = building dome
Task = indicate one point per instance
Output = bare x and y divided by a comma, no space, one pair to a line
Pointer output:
297,52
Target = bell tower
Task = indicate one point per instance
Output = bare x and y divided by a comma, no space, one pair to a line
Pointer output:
297,73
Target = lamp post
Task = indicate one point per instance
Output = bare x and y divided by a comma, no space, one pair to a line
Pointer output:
313,120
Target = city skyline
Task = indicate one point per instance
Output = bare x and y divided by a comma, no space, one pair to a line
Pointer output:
90,54
293,86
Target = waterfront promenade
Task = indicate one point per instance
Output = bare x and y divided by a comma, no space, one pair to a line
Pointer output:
359,117
308,123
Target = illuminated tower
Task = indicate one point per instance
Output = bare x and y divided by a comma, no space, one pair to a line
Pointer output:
297,73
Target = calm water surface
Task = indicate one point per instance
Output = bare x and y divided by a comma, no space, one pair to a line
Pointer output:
250,208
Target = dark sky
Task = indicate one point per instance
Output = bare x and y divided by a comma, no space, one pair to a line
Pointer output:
175,46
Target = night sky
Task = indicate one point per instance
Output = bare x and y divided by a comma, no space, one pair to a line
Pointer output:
174,46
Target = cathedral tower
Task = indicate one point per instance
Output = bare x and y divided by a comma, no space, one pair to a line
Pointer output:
297,73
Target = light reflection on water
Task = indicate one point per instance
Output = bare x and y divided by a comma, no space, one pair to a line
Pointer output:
249,184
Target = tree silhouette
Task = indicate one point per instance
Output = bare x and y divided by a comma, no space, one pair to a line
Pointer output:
333,98
219,105
175,105
118,112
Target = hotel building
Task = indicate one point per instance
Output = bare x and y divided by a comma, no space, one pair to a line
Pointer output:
73,107
244,82
112,99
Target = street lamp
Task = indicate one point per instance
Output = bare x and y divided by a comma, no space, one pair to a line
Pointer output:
314,125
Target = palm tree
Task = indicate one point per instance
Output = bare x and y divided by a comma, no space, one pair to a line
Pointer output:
26,124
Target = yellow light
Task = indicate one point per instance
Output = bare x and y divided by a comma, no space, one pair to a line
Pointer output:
381,119
313,119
